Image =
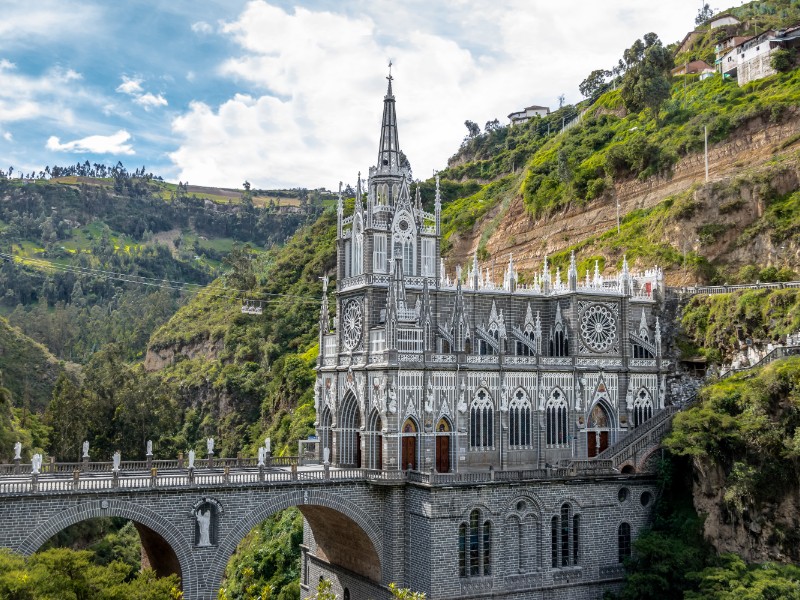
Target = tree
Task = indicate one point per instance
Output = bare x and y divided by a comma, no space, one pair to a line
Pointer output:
703,14
594,84
647,80
782,60
66,416
491,126
473,129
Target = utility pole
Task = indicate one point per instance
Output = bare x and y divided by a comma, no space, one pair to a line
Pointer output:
705,131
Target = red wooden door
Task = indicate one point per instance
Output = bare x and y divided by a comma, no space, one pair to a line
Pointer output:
591,443
443,453
409,452
603,441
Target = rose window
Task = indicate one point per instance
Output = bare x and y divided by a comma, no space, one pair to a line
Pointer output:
598,328
352,322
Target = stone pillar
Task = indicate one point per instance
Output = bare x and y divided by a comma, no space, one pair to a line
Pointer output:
326,468
191,475
180,460
226,474
294,472
261,472
153,477
210,460
76,479
115,478
35,482
16,466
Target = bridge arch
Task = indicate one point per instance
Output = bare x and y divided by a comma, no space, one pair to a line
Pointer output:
326,513
156,533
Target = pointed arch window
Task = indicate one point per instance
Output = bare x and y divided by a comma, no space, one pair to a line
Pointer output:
520,420
481,432
357,250
564,537
623,542
408,257
556,419
642,407
324,430
475,546
349,424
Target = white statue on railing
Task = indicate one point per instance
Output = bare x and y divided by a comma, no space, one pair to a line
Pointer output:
210,445
268,445
36,463
326,455
191,459
149,447
18,451
262,454
204,525
116,459
86,449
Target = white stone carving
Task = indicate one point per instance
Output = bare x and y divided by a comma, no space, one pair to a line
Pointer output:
191,459
462,401
204,527
17,451
262,455
210,445
149,448
86,449
429,399
116,460
36,463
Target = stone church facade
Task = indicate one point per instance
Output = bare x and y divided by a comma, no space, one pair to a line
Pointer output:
460,371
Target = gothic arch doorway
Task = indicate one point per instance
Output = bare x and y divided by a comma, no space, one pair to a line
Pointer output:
597,430
442,434
408,454
349,447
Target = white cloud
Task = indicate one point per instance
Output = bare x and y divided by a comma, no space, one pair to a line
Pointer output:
7,136
149,100
6,64
95,144
130,85
320,79
202,27
46,20
48,96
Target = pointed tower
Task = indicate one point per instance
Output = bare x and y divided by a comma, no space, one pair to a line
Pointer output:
572,276
389,147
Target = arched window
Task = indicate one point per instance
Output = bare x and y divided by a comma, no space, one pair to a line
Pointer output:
324,431
556,419
349,451
520,420
642,407
481,423
475,546
408,257
564,537
357,251
623,542
375,441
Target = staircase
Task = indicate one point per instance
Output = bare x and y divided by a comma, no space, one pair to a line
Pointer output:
635,447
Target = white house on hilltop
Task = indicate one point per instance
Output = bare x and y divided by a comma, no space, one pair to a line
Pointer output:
525,115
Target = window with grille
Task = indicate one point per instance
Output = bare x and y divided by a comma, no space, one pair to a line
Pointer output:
379,253
556,419
520,420
482,422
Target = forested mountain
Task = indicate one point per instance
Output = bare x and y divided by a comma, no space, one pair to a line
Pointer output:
96,267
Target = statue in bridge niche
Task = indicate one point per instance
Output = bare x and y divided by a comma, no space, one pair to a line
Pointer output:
18,451
206,514
203,527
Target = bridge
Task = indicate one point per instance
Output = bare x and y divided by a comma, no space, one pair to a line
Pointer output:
368,527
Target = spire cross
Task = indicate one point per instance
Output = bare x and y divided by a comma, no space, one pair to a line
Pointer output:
390,71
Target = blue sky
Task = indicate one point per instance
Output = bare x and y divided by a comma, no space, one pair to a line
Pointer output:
289,94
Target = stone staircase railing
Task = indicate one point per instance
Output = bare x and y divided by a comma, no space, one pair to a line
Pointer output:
774,354
643,438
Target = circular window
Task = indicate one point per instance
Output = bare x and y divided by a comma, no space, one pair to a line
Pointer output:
352,323
403,225
622,494
598,327
521,505
646,498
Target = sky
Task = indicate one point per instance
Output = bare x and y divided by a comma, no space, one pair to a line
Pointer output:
283,94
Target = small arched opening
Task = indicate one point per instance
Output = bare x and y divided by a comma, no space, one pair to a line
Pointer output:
442,434
408,453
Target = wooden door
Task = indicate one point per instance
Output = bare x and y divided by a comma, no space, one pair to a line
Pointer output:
357,452
379,452
603,441
410,452
591,443
443,453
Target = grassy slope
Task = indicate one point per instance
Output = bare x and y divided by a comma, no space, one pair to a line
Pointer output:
28,365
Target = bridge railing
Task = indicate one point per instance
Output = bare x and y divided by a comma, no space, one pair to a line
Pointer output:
774,354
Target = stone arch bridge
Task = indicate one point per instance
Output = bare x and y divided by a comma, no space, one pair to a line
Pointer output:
363,528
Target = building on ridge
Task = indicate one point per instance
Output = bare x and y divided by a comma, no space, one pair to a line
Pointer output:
440,371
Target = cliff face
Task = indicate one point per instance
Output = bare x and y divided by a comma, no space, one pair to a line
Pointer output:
769,531
757,161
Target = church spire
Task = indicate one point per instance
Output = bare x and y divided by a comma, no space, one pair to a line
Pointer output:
389,149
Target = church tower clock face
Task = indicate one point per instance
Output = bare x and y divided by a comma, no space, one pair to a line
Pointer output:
352,324
598,328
